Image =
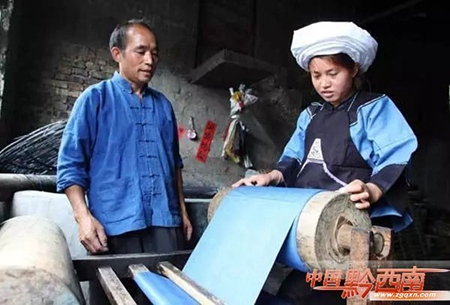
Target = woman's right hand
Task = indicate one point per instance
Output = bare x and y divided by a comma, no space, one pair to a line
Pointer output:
274,177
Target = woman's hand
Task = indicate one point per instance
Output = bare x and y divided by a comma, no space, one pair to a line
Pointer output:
274,177
363,194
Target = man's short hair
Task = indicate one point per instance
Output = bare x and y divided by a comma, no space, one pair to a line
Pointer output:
119,35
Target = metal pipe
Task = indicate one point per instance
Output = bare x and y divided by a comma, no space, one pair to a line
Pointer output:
19,182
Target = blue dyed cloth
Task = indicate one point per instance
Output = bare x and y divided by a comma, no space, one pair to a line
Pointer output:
161,290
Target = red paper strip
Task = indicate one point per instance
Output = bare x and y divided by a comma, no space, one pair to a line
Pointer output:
181,131
205,143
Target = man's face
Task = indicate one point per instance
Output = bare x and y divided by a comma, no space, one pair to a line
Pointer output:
137,62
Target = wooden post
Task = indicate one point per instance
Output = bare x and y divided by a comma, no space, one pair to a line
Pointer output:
359,257
382,253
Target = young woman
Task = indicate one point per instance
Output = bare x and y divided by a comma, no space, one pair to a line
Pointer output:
351,140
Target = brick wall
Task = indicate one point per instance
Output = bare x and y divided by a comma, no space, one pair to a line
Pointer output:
54,85
65,49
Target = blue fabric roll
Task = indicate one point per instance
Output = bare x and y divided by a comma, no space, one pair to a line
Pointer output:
237,250
162,291
289,254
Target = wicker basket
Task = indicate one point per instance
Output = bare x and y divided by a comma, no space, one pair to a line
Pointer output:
35,153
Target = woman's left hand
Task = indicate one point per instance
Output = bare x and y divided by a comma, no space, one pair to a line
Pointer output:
363,194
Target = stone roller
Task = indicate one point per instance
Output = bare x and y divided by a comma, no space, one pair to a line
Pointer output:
324,229
35,264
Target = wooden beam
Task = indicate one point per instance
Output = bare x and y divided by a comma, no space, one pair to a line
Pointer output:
85,266
197,292
113,287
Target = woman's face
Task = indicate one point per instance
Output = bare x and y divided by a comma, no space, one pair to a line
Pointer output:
333,82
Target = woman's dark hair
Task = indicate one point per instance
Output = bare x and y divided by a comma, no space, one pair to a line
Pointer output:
119,35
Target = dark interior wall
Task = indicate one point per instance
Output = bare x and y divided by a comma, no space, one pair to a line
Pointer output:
70,39
6,8
10,19
260,29
225,25
410,69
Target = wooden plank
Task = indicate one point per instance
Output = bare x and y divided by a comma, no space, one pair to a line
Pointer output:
85,266
197,292
113,287
136,268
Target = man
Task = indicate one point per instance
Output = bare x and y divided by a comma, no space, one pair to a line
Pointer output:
120,148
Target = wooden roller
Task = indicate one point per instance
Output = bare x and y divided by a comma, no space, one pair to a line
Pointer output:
323,229
35,264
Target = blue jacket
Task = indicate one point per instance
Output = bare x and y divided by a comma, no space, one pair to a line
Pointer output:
364,138
124,153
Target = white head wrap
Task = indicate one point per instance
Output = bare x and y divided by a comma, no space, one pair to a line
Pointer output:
328,38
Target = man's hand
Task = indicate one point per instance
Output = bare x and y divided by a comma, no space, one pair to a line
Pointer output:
186,223
91,234
187,226
363,194
274,177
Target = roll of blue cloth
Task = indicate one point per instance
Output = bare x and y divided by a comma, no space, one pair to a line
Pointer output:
237,250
